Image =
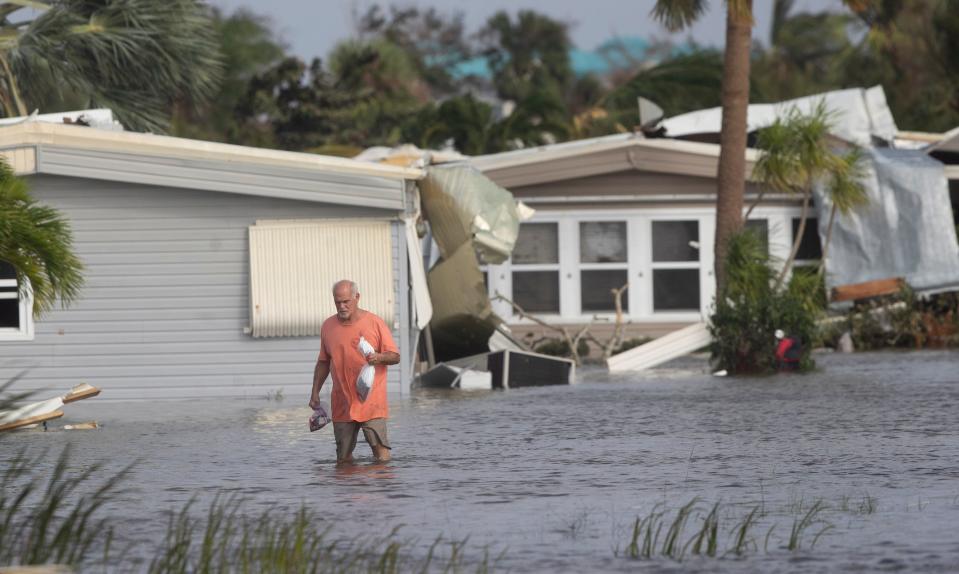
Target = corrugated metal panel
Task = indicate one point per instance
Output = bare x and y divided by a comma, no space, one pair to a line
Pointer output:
22,160
232,177
143,330
293,266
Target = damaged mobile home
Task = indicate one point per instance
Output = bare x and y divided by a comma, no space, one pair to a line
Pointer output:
208,266
633,209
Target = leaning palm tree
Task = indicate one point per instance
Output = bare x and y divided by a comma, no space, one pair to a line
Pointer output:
134,56
36,240
799,154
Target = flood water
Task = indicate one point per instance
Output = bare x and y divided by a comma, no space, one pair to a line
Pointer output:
556,476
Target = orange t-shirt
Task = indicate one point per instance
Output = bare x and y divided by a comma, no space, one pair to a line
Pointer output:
339,346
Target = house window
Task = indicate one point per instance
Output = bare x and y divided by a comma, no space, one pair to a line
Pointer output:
760,228
535,268
603,264
809,247
16,319
676,266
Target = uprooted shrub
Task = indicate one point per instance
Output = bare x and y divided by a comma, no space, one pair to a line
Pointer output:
750,308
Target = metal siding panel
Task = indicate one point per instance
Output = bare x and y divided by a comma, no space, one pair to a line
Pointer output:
176,329
403,303
293,266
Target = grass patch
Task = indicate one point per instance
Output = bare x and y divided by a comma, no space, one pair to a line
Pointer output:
49,516
663,534
225,541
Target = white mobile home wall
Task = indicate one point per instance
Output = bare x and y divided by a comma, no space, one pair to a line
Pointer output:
166,300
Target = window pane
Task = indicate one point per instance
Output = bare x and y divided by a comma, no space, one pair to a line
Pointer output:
7,271
9,313
809,247
761,228
602,242
676,290
536,291
671,240
537,243
595,289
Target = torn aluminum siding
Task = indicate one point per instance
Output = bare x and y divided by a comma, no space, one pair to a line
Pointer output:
472,220
906,230
859,115
464,206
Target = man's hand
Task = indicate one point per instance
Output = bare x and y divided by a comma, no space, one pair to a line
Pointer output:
314,402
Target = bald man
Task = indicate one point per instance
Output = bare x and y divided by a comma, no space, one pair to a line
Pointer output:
340,358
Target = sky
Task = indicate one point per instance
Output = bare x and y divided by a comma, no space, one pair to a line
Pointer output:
312,27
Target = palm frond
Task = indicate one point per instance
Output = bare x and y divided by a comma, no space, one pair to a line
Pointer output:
37,241
678,14
117,53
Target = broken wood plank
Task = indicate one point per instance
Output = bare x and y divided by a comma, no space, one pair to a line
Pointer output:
868,289
31,420
80,392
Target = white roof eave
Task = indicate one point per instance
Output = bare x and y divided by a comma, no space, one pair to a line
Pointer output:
71,136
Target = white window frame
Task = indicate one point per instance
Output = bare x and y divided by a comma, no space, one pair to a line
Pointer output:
696,264
617,266
639,265
499,278
25,332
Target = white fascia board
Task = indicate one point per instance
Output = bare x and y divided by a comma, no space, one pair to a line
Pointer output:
494,162
242,178
84,138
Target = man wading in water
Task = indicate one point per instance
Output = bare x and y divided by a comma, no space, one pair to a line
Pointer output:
340,356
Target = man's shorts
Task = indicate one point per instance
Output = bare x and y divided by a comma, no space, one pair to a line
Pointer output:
374,431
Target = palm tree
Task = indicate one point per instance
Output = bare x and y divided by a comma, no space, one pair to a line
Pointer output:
36,241
731,177
799,154
134,56
678,14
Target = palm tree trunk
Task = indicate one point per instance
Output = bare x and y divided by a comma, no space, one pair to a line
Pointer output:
787,266
731,177
825,247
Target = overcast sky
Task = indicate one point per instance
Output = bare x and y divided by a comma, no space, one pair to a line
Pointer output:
312,27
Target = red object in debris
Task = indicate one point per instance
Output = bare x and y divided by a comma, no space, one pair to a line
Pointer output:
788,352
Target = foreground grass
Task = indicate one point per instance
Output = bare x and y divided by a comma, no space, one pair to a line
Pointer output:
52,514
661,534
227,541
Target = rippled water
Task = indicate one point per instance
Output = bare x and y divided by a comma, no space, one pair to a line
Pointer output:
555,476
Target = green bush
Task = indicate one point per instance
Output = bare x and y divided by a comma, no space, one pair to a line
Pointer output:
749,310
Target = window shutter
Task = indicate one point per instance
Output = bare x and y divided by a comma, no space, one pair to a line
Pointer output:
293,265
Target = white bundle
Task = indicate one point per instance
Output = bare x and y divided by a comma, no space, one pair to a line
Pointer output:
364,382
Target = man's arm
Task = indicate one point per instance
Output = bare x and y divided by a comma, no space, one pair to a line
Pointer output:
385,358
320,373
